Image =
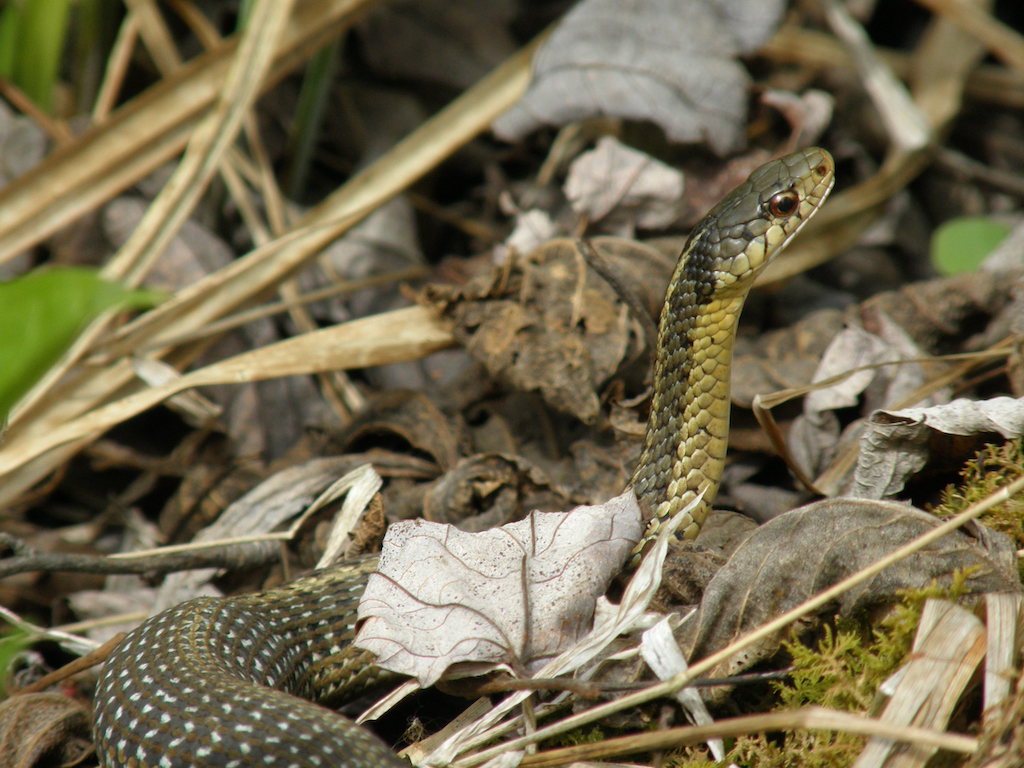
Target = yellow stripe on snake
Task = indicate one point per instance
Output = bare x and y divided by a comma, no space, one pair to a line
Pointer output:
246,681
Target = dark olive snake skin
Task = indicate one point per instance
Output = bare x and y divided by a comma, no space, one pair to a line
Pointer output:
233,681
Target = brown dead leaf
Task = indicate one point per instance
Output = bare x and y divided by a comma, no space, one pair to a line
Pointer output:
645,268
487,490
666,61
514,595
807,550
934,312
43,729
547,324
410,417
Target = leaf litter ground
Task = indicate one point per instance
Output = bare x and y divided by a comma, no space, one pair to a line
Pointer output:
539,398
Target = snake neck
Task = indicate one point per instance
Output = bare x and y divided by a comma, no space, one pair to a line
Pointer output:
687,433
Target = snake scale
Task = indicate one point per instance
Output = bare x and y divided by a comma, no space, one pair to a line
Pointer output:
246,681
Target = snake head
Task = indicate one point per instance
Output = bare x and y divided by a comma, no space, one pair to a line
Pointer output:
753,223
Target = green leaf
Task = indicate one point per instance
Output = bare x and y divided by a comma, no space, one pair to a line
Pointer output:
42,313
960,245
32,34
12,643
10,20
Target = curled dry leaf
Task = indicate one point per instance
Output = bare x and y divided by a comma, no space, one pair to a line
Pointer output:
896,444
666,61
513,595
815,434
406,416
548,324
807,550
487,490
624,188
43,729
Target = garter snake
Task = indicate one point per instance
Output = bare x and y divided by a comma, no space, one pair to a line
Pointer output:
217,681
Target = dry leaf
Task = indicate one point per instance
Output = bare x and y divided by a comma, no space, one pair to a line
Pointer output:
948,646
43,729
514,595
815,435
668,61
280,497
896,444
807,550
610,622
404,416
624,188
550,324
487,490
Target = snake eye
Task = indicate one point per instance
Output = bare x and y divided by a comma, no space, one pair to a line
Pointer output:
783,204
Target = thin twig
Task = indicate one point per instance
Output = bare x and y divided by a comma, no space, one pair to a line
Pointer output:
230,554
817,718
74,667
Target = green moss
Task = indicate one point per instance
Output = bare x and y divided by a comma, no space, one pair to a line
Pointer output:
994,467
577,736
842,670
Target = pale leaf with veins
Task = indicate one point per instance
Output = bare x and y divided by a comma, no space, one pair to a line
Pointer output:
514,595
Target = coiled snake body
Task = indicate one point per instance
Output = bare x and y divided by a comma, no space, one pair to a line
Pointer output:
216,681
